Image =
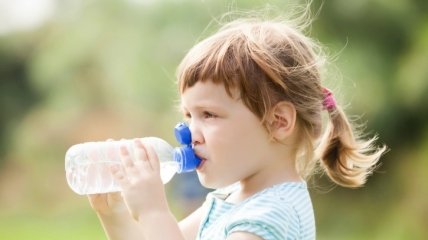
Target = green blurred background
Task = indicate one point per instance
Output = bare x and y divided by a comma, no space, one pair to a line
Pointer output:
74,71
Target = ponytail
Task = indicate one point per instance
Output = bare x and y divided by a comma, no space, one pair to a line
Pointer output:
347,159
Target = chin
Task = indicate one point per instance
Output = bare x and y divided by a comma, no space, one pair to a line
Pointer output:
211,183
205,182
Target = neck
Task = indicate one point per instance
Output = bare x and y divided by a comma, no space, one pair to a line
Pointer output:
280,172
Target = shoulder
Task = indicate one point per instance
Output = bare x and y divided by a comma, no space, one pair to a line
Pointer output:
283,198
267,208
271,214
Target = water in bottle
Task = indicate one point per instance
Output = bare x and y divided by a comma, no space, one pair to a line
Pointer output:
88,164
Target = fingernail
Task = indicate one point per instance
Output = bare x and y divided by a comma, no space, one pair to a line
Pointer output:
114,168
123,149
138,142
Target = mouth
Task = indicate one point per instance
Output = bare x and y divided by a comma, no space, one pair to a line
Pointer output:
200,154
203,160
201,164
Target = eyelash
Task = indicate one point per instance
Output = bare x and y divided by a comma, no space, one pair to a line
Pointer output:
207,114
204,114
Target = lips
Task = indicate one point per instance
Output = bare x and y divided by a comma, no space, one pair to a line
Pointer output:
202,157
199,153
201,164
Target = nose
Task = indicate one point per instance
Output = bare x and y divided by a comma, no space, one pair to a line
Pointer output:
197,136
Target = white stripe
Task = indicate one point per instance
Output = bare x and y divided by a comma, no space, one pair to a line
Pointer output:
282,212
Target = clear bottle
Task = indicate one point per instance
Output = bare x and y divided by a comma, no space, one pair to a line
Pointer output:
87,165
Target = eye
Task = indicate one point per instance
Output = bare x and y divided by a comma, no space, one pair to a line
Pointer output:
187,115
207,114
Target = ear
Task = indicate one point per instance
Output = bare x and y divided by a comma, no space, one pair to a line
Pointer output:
283,120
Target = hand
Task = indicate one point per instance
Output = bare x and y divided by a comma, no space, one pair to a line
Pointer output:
108,204
142,187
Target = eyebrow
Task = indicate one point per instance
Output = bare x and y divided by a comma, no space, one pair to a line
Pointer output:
199,107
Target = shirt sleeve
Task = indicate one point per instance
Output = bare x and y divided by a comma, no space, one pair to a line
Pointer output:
271,222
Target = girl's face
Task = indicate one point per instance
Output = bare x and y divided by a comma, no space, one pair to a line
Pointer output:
227,136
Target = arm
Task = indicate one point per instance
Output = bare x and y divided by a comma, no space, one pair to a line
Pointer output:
164,222
114,217
190,225
118,223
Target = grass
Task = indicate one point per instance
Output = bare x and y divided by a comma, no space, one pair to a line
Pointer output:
77,225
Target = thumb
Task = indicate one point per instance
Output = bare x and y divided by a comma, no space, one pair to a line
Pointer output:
98,201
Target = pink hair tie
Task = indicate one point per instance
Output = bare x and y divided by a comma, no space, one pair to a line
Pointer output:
329,103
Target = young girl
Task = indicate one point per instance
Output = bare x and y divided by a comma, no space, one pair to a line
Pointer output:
253,97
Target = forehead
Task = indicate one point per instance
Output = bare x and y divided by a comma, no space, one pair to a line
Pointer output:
208,94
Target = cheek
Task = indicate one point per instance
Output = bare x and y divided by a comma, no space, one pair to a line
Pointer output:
235,142
233,150
250,147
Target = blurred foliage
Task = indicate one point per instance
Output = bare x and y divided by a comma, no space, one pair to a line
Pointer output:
105,69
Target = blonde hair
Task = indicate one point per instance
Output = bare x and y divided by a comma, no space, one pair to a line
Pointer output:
269,62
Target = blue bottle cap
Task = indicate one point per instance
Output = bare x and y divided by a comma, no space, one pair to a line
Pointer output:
182,134
186,158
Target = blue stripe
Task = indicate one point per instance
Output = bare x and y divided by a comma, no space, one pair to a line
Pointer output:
283,211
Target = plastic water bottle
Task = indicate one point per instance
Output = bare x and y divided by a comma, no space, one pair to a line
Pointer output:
87,165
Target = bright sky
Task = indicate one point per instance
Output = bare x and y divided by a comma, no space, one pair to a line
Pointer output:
24,15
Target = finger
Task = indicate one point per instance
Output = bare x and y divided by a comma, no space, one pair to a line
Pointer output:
126,157
115,196
129,165
141,153
97,201
96,198
115,200
119,175
153,158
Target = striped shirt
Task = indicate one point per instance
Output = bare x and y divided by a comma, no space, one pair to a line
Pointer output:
283,211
